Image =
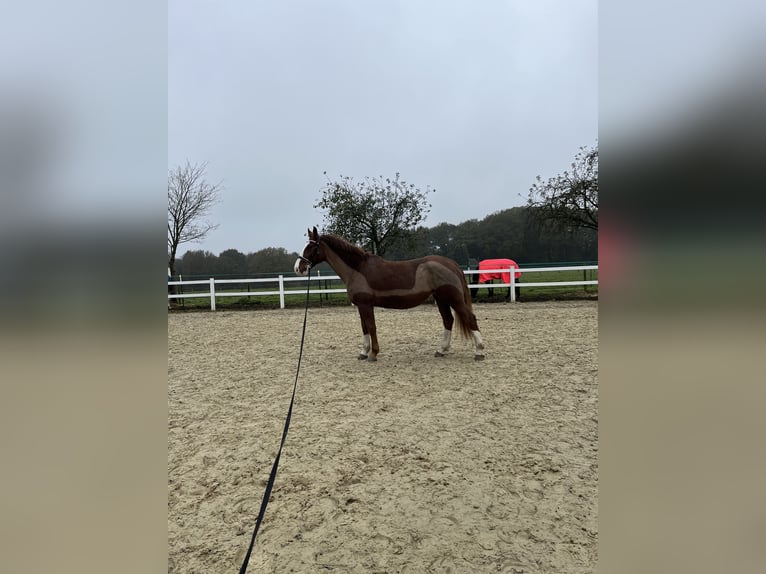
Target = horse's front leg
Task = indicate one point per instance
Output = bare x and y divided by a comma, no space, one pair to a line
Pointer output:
370,346
365,339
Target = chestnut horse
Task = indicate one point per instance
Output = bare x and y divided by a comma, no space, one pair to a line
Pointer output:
372,281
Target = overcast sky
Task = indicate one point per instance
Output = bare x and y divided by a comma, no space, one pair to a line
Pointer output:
471,98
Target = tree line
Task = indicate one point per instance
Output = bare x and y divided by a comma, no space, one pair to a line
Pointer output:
512,233
559,223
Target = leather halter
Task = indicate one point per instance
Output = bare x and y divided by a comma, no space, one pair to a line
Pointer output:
308,261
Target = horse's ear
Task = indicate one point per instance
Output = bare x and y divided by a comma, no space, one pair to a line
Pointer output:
316,235
308,233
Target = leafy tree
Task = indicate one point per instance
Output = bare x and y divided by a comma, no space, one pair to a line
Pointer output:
232,262
198,262
190,198
569,200
442,237
417,246
375,213
270,260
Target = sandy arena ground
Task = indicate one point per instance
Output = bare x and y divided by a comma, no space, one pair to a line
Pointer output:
411,464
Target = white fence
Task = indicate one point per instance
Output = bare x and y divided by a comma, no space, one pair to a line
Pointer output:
285,292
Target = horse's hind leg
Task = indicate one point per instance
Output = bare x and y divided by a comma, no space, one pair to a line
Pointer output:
469,319
448,320
370,349
478,351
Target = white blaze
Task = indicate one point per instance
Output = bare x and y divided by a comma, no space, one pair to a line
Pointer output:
298,261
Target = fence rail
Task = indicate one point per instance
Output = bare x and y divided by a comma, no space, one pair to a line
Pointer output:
283,292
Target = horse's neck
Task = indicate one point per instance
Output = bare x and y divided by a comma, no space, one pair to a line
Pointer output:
339,265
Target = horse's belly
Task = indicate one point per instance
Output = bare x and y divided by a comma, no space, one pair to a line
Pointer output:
399,301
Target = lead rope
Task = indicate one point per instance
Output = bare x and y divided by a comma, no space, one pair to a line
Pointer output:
273,475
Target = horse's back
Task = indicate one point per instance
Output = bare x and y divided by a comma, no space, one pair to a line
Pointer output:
422,275
442,260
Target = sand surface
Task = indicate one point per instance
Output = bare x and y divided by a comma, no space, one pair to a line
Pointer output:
411,464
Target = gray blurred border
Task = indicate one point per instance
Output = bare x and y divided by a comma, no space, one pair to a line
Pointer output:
681,294
83,355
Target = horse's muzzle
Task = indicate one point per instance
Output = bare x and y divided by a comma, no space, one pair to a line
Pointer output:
301,266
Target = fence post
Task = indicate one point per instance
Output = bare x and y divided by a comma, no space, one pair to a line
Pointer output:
281,291
212,294
513,285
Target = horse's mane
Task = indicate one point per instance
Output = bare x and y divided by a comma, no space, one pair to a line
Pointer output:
351,254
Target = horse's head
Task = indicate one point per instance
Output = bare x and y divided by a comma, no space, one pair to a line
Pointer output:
313,254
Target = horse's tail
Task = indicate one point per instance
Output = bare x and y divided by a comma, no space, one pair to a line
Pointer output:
463,321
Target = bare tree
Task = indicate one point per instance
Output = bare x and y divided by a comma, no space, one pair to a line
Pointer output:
569,200
190,198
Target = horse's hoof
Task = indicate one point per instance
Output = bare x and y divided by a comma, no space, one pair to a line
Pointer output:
371,359
439,354
362,357
478,357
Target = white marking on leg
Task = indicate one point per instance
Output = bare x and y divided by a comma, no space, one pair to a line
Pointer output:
366,345
446,340
478,343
